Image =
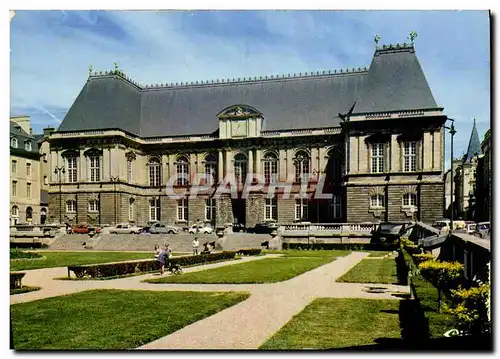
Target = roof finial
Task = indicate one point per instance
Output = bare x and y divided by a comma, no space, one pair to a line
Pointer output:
116,66
90,70
412,37
376,39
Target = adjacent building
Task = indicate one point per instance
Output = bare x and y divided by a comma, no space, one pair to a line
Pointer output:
372,137
483,182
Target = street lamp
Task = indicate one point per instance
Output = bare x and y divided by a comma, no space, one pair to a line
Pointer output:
114,179
58,171
452,133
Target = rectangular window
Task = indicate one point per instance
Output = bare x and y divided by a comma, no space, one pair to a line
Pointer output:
409,199
71,164
301,209
154,175
182,173
95,168
377,157
129,171
14,188
71,206
271,209
409,156
271,171
377,201
210,172
93,206
154,209
335,207
182,209
14,167
28,190
210,209
28,169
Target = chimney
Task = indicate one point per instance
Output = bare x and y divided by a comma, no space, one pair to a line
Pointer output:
48,131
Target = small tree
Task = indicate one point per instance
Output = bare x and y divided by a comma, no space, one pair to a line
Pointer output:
442,275
471,307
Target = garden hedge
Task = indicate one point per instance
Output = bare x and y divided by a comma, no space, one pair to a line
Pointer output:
342,246
116,269
16,253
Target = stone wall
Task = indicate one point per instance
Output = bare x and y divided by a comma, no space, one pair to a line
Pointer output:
431,202
255,210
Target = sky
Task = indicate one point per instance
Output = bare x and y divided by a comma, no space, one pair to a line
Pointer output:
50,52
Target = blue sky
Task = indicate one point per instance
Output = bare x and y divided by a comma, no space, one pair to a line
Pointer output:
51,52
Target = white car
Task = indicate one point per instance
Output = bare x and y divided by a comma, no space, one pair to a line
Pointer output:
198,228
125,228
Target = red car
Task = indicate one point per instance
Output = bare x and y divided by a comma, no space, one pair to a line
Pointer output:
84,229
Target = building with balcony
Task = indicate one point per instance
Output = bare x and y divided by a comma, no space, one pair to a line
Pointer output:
371,138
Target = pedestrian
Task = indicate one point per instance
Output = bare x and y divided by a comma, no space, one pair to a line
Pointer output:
157,251
196,244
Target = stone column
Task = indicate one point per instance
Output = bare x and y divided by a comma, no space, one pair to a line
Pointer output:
250,161
220,172
394,154
282,171
229,162
289,162
353,155
258,161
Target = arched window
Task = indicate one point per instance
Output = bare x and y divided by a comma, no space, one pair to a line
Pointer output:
27,145
211,168
29,214
154,172
182,166
301,162
13,142
271,167
240,168
15,211
43,215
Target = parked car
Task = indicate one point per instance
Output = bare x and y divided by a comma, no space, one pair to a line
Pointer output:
482,229
442,225
239,227
158,227
264,227
84,229
125,228
201,228
388,232
470,227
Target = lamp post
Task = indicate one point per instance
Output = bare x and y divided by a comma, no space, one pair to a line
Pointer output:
114,179
58,171
452,133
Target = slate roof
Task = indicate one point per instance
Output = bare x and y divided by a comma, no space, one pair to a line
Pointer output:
394,81
474,147
23,136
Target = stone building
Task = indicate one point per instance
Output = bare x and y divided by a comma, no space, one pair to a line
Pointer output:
465,177
483,182
29,178
372,136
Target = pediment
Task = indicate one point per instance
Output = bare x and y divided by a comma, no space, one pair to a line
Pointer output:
239,111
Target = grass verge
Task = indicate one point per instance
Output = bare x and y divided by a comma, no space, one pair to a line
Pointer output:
111,319
63,259
372,271
24,289
269,270
329,323
305,253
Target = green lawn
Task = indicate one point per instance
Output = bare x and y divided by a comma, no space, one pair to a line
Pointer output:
269,270
63,259
111,319
329,323
372,271
319,253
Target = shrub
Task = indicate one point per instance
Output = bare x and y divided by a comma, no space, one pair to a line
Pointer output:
16,253
15,279
123,268
423,257
249,252
471,309
443,275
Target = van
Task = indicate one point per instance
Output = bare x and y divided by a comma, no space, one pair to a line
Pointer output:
470,227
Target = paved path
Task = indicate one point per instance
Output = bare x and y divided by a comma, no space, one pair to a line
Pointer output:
246,325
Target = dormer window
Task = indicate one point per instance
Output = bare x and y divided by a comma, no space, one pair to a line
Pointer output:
13,142
27,145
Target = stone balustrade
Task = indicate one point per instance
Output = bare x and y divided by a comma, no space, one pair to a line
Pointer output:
326,229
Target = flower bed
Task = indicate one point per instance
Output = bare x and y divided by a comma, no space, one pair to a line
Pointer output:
123,268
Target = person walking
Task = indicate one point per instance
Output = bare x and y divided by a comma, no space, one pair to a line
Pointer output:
157,251
196,244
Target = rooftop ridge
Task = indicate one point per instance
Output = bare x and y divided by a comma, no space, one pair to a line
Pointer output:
393,48
300,75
